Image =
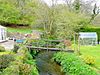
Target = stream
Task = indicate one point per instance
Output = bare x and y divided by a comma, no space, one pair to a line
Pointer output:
45,64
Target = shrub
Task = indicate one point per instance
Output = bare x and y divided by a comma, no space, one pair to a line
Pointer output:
28,67
16,47
5,59
11,70
2,49
23,64
19,68
34,52
90,60
25,69
72,64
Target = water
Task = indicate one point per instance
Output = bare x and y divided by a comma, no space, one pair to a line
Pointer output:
45,64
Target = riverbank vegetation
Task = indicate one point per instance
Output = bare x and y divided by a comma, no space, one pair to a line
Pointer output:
72,64
21,63
57,22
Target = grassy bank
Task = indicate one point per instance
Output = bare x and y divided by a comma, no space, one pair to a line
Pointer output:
93,51
73,65
19,29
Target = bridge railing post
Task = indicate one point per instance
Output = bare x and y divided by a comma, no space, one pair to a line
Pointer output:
47,45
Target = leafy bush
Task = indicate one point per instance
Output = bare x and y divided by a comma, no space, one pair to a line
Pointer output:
23,64
25,69
5,59
2,49
12,14
88,59
11,70
72,65
28,61
34,52
19,68
16,47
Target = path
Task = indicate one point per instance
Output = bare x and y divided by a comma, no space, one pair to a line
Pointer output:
8,45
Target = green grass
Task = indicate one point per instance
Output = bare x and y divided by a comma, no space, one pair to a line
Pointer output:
21,30
93,51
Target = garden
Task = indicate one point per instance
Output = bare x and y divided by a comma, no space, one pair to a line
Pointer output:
54,37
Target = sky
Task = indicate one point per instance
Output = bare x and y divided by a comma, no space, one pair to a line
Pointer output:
62,1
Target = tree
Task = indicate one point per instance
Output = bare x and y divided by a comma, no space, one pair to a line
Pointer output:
89,9
18,11
77,5
69,4
96,11
69,22
46,18
86,6
58,22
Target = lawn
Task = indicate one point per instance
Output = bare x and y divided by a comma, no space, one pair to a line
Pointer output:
93,51
21,30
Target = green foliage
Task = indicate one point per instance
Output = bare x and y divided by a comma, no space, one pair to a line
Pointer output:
77,5
61,45
60,24
19,30
17,12
72,64
2,49
92,51
28,62
5,59
23,64
33,52
25,69
8,12
19,68
35,42
15,48
29,41
69,22
12,70
90,60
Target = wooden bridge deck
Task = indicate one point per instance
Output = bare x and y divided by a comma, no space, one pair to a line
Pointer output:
49,49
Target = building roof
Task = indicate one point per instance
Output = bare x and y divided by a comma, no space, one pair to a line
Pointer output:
88,35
